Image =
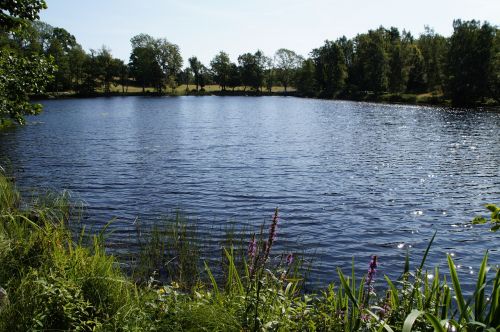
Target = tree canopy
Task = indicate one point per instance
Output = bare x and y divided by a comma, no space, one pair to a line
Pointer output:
20,74
464,68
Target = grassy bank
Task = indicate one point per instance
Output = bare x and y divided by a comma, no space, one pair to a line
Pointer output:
190,90
430,99
57,279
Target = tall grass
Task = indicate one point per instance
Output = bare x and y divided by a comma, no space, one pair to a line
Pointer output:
55,281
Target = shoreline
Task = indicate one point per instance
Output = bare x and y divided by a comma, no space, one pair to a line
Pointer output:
391,99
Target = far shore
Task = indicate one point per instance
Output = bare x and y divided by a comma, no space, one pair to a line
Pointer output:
424,99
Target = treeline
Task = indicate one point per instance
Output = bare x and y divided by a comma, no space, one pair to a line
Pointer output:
464,68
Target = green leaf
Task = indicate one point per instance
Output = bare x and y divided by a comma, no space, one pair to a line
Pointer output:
491,207
435,322
494,313
479,220
427,252
462,306
383,323
212,280
347,288
394,291
410,319
407,262
479,303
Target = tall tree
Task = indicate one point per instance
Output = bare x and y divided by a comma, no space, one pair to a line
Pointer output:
91,72
469,61
186,77
494,77
123,73
169,60
76,59
143,65
252,69
196,69
221,67
396,79
433,48
331,70
287,62
371,61
108,68
269,73
60,44
306,79
20,75
417,76
234,79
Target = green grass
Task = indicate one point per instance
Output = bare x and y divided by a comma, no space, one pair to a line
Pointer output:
57,280
181,89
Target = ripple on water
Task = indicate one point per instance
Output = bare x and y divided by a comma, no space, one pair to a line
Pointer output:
351,179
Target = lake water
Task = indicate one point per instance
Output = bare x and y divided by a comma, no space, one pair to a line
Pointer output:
350,179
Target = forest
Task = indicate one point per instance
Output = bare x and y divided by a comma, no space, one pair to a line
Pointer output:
463,69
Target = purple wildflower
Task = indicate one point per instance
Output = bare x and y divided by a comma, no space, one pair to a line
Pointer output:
371,273
252,247
365,317
385,310
289,259
272,235
273,230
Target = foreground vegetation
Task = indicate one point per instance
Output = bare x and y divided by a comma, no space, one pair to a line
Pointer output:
58,279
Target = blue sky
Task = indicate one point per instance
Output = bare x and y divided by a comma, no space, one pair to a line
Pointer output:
204,27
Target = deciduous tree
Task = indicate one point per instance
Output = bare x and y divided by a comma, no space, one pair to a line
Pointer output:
21,76
221,67
287,62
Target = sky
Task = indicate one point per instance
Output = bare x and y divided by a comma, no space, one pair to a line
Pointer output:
202,28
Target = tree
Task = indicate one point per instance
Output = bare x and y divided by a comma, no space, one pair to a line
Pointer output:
154,62
269,73
252,69
306,79
107,67
91,73
234,79
371,63
186,77
123,74
416,76
331,70
396,54
494,77
196,67
169,60
433,48
77,58
287,63
204,77
15,13
469,61
142,64
221,66
21,75
60,44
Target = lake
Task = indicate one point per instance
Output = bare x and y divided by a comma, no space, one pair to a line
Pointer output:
350,179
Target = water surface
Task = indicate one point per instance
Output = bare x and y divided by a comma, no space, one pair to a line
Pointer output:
351,179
